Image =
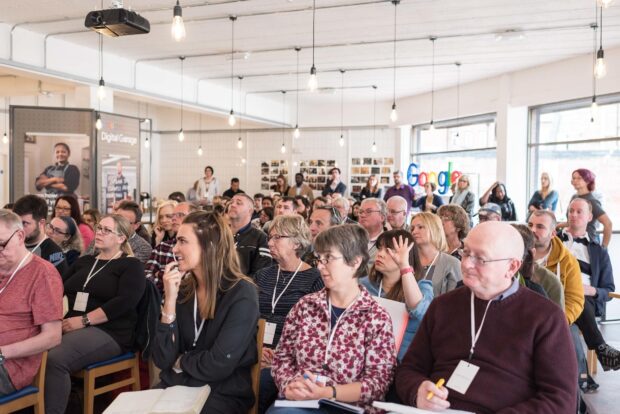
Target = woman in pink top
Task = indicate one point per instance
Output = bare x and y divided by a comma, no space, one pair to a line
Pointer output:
67,206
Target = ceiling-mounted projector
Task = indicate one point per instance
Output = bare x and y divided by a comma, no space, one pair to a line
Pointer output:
117,22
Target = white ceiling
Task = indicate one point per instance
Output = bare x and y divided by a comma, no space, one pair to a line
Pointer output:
350,34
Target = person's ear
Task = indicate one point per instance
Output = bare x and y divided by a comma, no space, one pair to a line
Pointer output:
513,268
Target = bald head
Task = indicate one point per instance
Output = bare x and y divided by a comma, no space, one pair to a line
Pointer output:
491,232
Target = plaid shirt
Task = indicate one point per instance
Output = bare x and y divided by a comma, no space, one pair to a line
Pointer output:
160,257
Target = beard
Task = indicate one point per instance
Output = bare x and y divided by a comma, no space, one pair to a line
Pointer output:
33,237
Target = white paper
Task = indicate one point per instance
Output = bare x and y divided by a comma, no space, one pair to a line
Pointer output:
463,375
400,318
270,333
405,409
297,404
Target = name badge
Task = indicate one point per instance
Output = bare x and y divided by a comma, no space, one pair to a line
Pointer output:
462,377
270,333
81,300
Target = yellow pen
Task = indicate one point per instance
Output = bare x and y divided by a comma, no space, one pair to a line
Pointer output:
438,385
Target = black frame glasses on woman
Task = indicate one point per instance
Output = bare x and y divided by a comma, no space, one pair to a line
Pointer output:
324,261
3,245
104,230
55,230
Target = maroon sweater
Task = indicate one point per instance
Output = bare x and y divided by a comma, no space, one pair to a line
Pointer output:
525,354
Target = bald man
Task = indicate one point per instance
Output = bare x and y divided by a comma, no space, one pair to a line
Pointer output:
518,357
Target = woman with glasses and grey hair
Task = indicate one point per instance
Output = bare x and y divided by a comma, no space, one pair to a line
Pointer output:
280,287
338,342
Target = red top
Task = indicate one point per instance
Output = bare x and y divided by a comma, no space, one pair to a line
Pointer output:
88,235
33,297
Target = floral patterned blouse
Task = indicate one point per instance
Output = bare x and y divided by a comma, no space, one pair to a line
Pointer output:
362,349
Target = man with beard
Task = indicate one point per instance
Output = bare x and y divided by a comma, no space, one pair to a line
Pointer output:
33,212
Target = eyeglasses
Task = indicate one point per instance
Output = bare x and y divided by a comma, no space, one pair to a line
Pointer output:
277,237
104,230
62,208
325,260
478,261
55,230
394,212
3,245
179,215
368,212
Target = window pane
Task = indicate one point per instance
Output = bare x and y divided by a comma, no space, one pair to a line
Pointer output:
479,135
576,124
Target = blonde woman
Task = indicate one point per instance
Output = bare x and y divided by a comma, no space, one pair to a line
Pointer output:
463,196
162,228
546,198
103,292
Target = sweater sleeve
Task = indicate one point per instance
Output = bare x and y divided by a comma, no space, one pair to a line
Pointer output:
284,367
166,345
131,286
573,289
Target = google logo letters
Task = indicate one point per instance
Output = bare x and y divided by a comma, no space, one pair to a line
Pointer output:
443,179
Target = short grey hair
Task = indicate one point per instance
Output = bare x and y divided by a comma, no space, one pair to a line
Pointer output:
547,213
341,202
296,228
380,204
351,240
11,220
401,201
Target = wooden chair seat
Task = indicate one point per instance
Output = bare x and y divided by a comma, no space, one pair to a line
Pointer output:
31,396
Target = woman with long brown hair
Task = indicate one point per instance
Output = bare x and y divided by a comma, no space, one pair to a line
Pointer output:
372,189
207,333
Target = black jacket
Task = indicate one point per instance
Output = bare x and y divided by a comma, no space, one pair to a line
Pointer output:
253,250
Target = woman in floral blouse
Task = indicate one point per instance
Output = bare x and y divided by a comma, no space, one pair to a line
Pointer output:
338,342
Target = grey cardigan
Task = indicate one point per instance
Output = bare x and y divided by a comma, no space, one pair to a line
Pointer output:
446,274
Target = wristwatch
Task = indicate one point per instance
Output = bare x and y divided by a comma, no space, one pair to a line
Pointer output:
85,320
333,392
2,358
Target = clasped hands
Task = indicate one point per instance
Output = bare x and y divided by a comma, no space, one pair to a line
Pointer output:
306,388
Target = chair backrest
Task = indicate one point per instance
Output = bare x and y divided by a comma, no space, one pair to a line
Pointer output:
39,379
260,333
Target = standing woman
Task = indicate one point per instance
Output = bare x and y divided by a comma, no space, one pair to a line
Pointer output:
64,232
207,333
67,206
372,189
162,228
391,277
431,201
207,187
338,333
497,194
431,260
463,196
584,182
546,198
103,292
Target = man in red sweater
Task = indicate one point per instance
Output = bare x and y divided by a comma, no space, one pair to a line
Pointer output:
517,356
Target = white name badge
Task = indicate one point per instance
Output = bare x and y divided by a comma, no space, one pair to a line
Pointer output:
462,377
270,333
81,300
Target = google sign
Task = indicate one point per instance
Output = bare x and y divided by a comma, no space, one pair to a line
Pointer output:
443,179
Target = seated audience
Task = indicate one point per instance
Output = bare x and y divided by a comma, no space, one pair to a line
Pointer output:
281,186
234,188
373,215
103,292
432,262
517,355
64,232
323,218
302,205
355,212
334,185
371,189
280,287
265,215
258,204
91,218
455,222
342,205
300,188
27,327
397,213
490,212
162,228
431,201
463,196
177,196
319,201
267,202
355,368
67,206
497,194
132,212
207,333
391,277
284,206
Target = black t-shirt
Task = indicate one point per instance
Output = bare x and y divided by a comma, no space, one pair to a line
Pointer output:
230,193
116,289
51,252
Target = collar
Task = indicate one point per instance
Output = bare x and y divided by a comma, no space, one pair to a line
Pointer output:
569,237
244,228
508,292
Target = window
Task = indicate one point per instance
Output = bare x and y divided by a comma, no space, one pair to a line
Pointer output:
468,143
568,136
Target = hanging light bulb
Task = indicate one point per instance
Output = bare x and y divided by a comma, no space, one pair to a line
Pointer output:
231,118
5,139
600,69
296,133
147,143
243,160
178,28
98,123
181,135
313,83
199,152
239,143
432,127
101,90
341,140
394,114
374,147
605,3
283,148
593,109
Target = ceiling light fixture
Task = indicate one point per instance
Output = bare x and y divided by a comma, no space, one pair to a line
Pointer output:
240,141
231,116
432,126
374,121
393,113
312,81
177,29
605,3
181,134
101,92
600,68
296,132
594,105
458,98
200,151
98,122
5,138
283,148
341,140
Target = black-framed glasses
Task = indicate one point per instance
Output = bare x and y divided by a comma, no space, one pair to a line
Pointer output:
478,261
325,260
104,230
55,230
3,245
276,237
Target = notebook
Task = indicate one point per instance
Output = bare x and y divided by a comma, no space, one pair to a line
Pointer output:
405,409
173,400
326,404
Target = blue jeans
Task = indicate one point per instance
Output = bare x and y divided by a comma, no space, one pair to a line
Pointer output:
267,392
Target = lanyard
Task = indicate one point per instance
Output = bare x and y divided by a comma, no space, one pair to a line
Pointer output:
430,266
19,266
332,333
274,300
197,331
475,335
91,274
34,249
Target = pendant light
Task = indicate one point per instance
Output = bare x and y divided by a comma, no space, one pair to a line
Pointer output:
231,116
240,141
594,105
432,125
605,3
283,148
98,122
374,121
393,113
177,30
312,81
147,143
600,68
200,151
101,92
181,134
341,140
5,137
458,98
296,132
